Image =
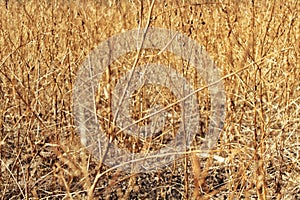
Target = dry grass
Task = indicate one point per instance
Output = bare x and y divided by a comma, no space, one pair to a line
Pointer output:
42,45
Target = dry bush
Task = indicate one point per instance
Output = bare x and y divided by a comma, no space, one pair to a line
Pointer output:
256,46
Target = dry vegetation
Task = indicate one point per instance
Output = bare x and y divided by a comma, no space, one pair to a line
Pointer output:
42,45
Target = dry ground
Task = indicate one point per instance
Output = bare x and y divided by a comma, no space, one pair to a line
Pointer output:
42,45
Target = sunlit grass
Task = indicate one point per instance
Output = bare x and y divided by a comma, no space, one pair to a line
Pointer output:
42,46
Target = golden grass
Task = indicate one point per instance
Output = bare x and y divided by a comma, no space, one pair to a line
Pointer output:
42,45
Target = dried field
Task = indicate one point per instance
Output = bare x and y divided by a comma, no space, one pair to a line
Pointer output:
255,44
